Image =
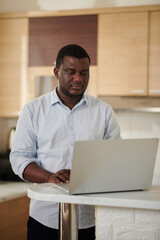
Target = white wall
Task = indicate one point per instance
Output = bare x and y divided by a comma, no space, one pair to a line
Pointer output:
31,5
141,125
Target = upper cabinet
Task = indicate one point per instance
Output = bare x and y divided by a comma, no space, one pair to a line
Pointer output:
154,54
122,54
48,34
13,65
123,43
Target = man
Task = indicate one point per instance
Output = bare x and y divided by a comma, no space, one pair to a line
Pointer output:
46,131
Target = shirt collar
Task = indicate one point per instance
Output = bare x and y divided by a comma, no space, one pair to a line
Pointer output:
55,99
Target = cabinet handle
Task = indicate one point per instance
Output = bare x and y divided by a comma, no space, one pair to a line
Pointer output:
137,91
154,91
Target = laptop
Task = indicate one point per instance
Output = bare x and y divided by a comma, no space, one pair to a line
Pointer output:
101,166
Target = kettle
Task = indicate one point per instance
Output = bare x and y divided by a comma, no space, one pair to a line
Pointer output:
11,137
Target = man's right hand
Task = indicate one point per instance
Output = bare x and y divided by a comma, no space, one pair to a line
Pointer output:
33,173
61,176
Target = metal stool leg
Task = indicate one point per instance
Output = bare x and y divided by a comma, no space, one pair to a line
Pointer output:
68,221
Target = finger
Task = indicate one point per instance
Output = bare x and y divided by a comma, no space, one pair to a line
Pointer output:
54,179
62,177
67,174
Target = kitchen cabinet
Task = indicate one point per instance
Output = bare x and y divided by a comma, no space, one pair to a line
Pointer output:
123,44
154,54
48,34
14,214
122,54
13,65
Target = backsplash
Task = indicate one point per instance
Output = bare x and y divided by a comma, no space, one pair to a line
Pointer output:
141,125
132,124
138,124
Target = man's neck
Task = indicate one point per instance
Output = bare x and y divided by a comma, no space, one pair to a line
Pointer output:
70,102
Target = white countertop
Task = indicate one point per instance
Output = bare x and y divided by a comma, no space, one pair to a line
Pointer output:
149,199
11,190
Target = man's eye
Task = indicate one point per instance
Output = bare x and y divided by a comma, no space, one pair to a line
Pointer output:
70,72
84,73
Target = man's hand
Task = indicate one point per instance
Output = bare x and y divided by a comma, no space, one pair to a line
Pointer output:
61,176
33,173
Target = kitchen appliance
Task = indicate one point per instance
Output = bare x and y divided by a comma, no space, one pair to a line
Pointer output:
6,172
11,138
44,84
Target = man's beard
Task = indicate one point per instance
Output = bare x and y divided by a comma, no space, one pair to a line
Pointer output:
65,92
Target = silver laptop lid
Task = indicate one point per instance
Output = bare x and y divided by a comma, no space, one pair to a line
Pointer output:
112,165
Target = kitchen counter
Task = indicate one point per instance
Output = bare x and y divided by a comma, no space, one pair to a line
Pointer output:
149,199
10,190
126,215
14,209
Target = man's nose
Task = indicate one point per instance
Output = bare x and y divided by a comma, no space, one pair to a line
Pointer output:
77,77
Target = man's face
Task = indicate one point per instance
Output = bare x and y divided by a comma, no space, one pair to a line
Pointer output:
73,76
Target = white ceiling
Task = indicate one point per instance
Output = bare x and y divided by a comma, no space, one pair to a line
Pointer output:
31,5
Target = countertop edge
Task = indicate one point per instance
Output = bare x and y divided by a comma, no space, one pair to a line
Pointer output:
145,200
13,190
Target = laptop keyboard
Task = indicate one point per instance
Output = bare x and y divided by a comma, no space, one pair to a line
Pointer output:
62,186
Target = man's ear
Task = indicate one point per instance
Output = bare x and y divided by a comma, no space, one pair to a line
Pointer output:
55,71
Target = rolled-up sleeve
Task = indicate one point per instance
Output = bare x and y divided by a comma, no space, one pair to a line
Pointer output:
24,149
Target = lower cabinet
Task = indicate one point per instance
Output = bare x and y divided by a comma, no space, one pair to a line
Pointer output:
13,219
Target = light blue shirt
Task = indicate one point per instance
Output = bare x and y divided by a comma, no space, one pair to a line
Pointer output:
45,134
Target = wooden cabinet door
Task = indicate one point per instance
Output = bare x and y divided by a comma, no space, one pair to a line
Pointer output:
48,34
154,54
14,214
122,55
13,65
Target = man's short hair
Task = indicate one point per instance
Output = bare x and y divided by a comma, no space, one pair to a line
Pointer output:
72,50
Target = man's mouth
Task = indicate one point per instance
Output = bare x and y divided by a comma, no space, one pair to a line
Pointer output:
77,86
